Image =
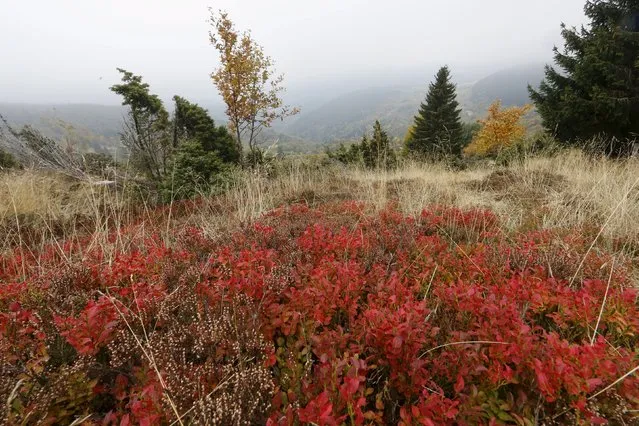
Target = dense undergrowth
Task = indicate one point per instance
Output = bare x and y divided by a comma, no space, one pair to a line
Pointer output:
328,315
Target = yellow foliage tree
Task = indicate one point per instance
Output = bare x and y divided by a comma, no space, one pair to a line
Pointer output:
246,81
499,130
410,134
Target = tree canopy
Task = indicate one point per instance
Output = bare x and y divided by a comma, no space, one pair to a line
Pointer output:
373,153
594,91
247,82
146,132
192,122
183,152
499,130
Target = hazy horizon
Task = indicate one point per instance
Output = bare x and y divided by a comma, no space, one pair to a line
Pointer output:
67,52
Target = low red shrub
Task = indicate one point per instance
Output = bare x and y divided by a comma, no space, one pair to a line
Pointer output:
325,316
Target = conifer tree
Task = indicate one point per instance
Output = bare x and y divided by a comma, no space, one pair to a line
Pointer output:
7,161
373,153
381,154
192,122
146,130
438,129
595,90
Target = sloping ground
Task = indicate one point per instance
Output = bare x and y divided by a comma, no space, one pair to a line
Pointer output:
322,316
376,298
566,191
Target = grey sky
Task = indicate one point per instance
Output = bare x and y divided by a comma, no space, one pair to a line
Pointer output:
67,50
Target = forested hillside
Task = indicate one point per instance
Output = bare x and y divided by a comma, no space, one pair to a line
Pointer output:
91,128
346,117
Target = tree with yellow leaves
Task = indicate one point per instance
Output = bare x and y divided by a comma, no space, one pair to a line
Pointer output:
247,82
499,130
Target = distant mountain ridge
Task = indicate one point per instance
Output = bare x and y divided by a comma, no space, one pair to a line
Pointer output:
345,117
510,85
92,127
350,115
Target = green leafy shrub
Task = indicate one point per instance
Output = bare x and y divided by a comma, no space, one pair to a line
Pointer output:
195,171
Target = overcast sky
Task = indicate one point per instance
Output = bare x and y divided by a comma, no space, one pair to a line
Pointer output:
67,50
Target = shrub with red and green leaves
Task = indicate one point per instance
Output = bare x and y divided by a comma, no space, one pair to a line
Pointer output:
323,316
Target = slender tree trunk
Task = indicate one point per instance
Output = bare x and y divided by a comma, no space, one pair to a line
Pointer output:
238,140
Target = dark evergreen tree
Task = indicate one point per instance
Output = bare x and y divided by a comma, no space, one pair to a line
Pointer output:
595,91
195,171
7,161
346,155
146,132
192,122
203,151
367,153
379,152
373,153
183,153
438,129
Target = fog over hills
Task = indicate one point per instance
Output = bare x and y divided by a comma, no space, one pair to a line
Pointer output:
330,111
351,114
346,63
508,85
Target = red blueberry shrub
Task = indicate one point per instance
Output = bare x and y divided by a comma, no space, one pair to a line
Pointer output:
325,316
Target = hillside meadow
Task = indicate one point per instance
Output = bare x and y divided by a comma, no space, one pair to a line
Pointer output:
328,295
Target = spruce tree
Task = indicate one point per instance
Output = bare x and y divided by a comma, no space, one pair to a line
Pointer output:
595,92
373,153
438,129
382,155
7,161
192,122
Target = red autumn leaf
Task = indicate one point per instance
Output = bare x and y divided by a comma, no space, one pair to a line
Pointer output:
397,342
459,384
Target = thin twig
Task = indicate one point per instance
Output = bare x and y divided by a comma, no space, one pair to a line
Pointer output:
79,420
603,304
583,260
470,342
460,249
219,385
613,384
431,282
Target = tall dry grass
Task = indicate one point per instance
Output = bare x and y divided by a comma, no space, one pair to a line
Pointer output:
39,208
564,191
567,190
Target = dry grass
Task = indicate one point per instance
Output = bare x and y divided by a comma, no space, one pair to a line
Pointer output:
569,190
38,208
30,193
